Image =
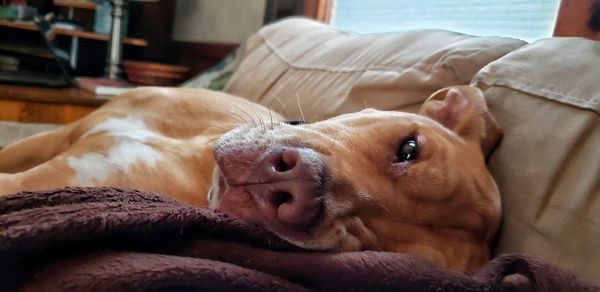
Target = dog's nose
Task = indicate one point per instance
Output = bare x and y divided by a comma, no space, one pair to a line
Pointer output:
289,186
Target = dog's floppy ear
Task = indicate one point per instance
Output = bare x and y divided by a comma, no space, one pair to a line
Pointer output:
463,110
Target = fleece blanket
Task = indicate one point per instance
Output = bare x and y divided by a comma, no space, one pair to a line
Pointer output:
110,239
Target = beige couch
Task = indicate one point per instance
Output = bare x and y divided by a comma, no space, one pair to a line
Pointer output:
545,94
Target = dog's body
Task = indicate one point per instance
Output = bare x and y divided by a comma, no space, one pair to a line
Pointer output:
153,139
370,180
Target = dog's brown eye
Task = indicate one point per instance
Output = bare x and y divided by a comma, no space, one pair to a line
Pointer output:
408,150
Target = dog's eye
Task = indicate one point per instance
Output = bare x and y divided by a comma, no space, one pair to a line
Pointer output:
408,150
296,122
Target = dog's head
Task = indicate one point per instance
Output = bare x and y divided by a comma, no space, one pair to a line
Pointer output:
377,180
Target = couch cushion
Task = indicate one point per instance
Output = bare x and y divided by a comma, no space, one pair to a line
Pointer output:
13,131
329,72
546,96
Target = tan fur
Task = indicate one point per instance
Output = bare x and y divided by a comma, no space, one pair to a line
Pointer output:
188,121
444,206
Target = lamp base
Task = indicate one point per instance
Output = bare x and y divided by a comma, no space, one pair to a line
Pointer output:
114,69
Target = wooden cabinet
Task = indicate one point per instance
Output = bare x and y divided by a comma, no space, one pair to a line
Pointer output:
28,104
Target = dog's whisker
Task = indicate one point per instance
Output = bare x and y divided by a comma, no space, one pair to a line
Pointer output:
218,127
236,119
282,105
249,119
254,123
334,140
299,107
212,140
261,121
255,119
371,200
382,206
357,133
271,117
240,119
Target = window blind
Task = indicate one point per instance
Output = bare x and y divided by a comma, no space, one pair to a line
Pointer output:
524,19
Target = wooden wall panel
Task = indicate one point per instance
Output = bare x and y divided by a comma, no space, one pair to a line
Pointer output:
11,110
574,18
318,9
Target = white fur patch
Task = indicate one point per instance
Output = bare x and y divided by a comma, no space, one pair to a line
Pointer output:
129,126
90,167
130,136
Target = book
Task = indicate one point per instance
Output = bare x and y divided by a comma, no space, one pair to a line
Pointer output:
103,86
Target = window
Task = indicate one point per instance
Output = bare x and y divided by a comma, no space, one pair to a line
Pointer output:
524,19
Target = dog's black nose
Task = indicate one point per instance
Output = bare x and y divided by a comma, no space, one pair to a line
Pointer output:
289,186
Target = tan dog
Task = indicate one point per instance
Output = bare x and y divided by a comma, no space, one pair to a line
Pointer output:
376,180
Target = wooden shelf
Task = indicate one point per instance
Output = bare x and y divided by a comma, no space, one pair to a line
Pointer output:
74,33
75,4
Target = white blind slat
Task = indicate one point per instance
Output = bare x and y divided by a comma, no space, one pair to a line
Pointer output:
524,19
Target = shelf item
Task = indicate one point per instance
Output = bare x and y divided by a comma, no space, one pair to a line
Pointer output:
75,4
73,33
147,73
103,86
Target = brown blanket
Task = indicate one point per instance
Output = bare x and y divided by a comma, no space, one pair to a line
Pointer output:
110,239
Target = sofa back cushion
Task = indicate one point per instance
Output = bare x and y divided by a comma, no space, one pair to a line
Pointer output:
299,63
546,96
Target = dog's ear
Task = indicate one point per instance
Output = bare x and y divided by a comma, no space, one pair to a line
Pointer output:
463,110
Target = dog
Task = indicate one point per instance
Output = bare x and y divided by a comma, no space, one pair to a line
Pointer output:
370,180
